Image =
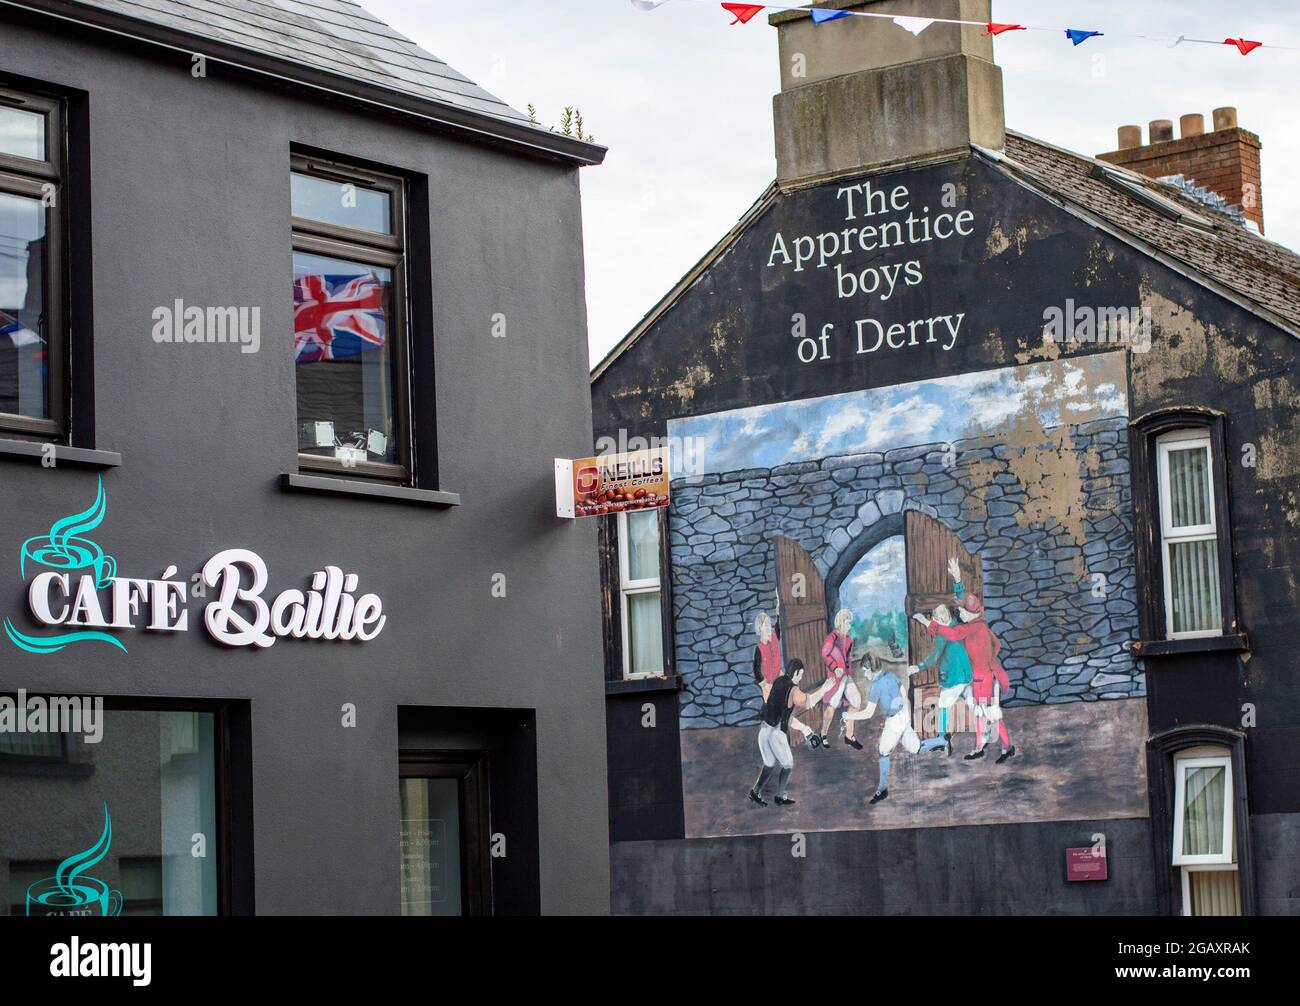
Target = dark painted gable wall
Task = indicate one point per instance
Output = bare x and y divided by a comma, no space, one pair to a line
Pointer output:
727,343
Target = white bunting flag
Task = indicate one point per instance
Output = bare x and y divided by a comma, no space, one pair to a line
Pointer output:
648,4
915,25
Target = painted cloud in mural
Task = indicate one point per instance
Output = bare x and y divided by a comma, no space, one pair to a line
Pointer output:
879,419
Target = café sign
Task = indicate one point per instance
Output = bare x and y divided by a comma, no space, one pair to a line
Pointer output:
612,483
80,592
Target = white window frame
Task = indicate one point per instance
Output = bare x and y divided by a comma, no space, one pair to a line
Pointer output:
1186,872
627,587
1169,535
1219,860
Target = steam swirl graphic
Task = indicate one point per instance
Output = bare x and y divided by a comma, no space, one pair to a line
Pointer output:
72,888
66,549
79,862
62,548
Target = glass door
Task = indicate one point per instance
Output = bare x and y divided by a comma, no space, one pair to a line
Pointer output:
444,834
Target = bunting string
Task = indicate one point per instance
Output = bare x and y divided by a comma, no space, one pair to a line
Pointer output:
743,13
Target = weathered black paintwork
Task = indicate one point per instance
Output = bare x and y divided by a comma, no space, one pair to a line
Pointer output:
726,343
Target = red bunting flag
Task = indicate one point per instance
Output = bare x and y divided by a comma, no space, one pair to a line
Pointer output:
1244,44
742,11
997,29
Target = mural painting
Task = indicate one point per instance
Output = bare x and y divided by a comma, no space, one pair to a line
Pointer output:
911,606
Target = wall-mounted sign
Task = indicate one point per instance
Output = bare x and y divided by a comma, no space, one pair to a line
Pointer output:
1085,864
611,483
81,593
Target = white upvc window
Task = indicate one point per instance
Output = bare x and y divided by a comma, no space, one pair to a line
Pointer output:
1203,811
1189,535
1204,843
640,594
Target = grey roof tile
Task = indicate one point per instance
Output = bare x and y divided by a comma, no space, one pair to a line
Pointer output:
1258,270
336,36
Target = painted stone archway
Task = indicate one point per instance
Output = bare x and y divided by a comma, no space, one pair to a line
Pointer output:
1062,644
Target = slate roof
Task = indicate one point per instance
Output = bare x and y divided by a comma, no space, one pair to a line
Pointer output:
1218,251
1260,271
336,36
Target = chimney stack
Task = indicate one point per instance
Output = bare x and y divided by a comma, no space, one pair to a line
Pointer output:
859,94
1225,161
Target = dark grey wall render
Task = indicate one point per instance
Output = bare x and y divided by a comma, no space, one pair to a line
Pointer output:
190,199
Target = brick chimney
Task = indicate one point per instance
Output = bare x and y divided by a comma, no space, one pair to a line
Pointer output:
1225,161
861,93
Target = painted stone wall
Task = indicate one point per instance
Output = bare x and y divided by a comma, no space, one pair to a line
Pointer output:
1058,590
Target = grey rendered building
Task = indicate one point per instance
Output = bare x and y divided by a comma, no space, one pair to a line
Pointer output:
389,722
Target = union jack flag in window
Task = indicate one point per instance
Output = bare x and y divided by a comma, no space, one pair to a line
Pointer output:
335,317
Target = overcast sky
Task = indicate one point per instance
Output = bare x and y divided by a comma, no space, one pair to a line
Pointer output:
684,102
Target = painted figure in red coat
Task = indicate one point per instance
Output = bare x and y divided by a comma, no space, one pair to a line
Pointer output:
982,647
837,655
767,654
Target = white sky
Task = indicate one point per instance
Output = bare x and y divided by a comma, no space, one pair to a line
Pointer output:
684,102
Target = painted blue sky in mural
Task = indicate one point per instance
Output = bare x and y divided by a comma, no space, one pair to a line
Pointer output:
906,415
878,582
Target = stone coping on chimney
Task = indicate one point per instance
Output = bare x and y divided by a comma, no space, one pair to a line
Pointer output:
1164,148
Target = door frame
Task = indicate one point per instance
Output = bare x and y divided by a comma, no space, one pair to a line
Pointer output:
470,770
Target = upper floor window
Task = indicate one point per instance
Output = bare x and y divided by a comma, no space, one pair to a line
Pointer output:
1189,535
350,339
33,338
640,593
1182,534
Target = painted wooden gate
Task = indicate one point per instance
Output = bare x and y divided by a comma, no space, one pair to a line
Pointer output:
802,597
929,546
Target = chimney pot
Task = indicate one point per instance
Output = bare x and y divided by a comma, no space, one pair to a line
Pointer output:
1130,137
1225,161
1225,118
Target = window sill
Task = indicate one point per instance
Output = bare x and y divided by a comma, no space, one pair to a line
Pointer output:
377,491
70,457
1235,643
636,686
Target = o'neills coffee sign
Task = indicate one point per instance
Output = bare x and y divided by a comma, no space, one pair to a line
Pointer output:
75,590
611,483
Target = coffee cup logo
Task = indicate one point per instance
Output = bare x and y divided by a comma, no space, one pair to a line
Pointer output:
72,891
66,550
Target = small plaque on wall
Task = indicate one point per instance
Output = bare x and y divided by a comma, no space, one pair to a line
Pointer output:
1085,864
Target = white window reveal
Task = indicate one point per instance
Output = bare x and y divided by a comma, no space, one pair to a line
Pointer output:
1189,535
640,594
